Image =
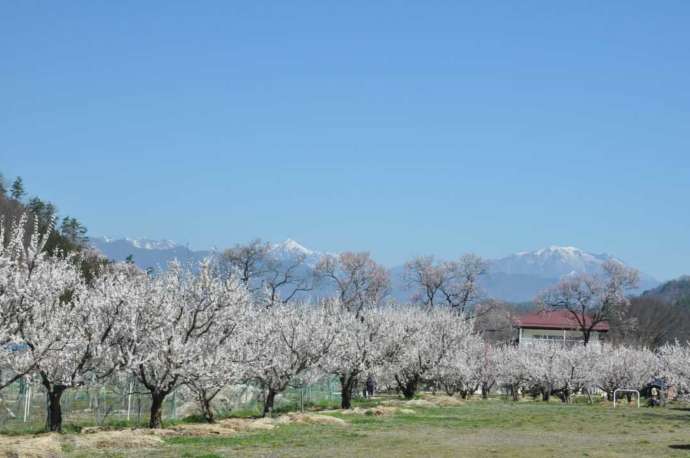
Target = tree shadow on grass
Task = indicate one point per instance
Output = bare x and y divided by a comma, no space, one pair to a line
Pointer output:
680,446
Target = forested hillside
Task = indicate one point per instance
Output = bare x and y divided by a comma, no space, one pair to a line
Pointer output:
657,316
675,291
69,235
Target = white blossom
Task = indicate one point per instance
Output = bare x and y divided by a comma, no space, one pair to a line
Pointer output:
292,339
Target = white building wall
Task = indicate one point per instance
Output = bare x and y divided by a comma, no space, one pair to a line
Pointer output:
528,335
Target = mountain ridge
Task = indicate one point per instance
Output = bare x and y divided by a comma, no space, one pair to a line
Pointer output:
518,277
672,291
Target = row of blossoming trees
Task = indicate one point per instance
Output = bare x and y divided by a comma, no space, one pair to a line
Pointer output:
205,330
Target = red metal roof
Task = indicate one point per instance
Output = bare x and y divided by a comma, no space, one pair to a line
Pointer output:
555,319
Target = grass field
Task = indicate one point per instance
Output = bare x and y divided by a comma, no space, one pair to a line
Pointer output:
476,428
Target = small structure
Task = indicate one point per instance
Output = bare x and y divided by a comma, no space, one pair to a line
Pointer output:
557,326
626,390
665,391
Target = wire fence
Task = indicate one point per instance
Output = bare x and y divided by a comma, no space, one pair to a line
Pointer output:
23,405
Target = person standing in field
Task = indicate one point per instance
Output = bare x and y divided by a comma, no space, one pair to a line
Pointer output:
654,396
370,386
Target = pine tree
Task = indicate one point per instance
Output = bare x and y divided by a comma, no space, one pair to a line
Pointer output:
73,231
43,211
17,189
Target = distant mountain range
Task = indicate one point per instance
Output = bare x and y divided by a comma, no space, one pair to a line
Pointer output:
519,277
147,253
515,278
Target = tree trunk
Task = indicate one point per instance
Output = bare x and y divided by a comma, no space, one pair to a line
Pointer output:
346,386
207,410
205,398
514,392
268,403
54,414
485,390
156,417
545,394
410,388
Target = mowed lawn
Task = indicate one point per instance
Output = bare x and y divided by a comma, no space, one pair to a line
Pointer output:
477,428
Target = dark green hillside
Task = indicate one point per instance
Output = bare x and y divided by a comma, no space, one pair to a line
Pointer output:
69,235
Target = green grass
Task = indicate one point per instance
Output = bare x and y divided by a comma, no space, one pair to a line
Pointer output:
478,428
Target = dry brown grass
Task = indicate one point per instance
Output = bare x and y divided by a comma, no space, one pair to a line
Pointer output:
444,401
126,439
40,446
378,411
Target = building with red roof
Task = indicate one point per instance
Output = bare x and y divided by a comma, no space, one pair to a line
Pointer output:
556,326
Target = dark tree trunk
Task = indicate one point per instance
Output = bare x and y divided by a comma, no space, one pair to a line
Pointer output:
409,389
545,394
207,410
467,394
514,392
485,390
156,417
586,336
54,414
268,403
347,384
205,399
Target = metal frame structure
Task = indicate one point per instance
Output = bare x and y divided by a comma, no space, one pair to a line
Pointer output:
623,390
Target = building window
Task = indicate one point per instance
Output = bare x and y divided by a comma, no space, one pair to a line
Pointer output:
542,337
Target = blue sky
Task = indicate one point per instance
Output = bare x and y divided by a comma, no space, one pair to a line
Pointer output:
401,128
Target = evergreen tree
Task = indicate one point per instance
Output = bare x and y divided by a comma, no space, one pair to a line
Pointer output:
69,237
73,231
17,189
43,211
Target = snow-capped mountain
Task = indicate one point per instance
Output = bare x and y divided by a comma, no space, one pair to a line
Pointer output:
551,262
516,278
144,244
148,244
147,253
292,246
520,276
158,253
290,249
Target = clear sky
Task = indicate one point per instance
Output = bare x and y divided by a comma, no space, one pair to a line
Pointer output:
401,128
